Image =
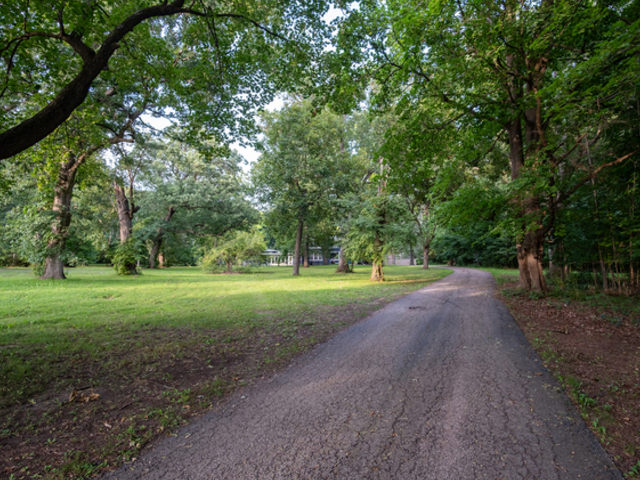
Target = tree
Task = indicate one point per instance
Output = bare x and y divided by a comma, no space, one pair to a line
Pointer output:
197,193
235,249
55,54
303,164
511,72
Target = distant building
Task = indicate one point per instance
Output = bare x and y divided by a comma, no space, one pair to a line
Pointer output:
275,257
397,259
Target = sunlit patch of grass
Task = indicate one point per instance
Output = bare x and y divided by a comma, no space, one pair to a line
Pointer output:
49,327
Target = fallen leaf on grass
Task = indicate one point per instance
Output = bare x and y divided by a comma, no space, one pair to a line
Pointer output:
83,397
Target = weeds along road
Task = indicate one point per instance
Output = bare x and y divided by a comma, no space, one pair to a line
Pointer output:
441,384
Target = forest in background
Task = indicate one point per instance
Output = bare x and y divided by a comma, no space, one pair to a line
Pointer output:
470,133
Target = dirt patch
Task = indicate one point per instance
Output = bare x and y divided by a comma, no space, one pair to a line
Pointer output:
594,351
102,412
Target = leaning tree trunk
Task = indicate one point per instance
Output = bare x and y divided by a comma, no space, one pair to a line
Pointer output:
342,262
157,241
125,219
296,252
53,264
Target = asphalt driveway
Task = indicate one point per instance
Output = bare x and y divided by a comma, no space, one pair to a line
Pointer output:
441,384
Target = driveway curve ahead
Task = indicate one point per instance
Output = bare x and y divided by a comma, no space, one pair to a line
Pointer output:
441,384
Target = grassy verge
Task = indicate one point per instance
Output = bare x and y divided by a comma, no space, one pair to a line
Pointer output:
591,343
95,367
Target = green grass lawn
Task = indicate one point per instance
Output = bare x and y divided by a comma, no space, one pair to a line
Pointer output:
503,275
154,350
96,313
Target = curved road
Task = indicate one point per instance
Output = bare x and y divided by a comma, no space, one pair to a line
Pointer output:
441,384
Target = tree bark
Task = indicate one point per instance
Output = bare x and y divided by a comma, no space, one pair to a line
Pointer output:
306,252
63,192
376,269
296,252
155,250
530,254
342,262
529,248
157,241
376,272
412,258
126,211
425,256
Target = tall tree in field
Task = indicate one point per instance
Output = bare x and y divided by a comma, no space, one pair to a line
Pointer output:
61,156
189,192
547,78
302,165
56,52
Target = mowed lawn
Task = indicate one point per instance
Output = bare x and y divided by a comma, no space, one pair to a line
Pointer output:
124,360
95,313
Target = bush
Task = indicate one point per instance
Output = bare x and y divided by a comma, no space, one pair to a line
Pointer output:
231,254
211,264
125,257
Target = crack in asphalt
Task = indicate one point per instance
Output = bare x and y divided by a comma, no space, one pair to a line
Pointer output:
441,384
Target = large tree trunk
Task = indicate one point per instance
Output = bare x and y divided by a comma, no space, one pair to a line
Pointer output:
63,192
125,214
425,256
306,252
530,253
155,250
126,211
342,262
376,272
530,248
412,258
157,241
296,252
